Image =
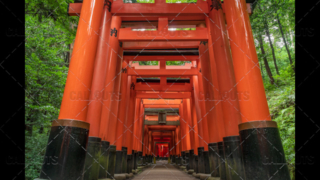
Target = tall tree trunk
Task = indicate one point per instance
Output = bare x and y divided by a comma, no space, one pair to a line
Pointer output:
270,42
271,45
265,59
261,68
285,42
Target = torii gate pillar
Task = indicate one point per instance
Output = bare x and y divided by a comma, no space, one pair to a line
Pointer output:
69,134
259,135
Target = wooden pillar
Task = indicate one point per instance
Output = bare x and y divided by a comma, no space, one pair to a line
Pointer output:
195,124
188,125
183,129
115,102
79,79
99,75
140,143
127,142
215,87
145,141
95,104
69,144
225,71
136,124
178,141
174,144
208,90
111,74
122,106
200,110
150,152
255,114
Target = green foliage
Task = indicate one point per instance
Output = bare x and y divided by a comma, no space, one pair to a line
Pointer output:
281,101
48,35
35,149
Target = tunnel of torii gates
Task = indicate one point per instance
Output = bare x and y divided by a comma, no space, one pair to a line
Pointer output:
210,115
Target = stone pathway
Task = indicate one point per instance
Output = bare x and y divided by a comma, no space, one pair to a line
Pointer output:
163,171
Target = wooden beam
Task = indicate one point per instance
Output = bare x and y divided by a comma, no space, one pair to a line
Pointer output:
154,17
74,9
155,9
161,102
161,106
162,72
169,118
200,34
156,114
154,24
162,58
152,11
163,95
159,7
169,88
173,123
161,127
159,45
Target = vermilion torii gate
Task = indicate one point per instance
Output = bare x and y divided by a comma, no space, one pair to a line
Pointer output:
213,111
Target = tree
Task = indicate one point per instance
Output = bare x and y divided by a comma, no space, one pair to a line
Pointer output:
264,57
266,28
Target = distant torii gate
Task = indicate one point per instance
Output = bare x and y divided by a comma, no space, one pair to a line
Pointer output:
223,125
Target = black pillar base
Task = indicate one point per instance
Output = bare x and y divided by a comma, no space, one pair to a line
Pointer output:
65,148
104,159
111,162
206,162
183,156
143,160
140,159
222,159
118,168
91,167
214,159
200,160
129,162
195,167
135,160
150,159
178,160
187,160
147,159
234,161
124,160
191,159
262,149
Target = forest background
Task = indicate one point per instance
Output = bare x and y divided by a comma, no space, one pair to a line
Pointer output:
50,34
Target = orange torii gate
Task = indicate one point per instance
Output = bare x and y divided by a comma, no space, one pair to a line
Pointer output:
212,111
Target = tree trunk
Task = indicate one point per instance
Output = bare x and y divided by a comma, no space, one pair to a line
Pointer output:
285,42
271,45
265,59
261,68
